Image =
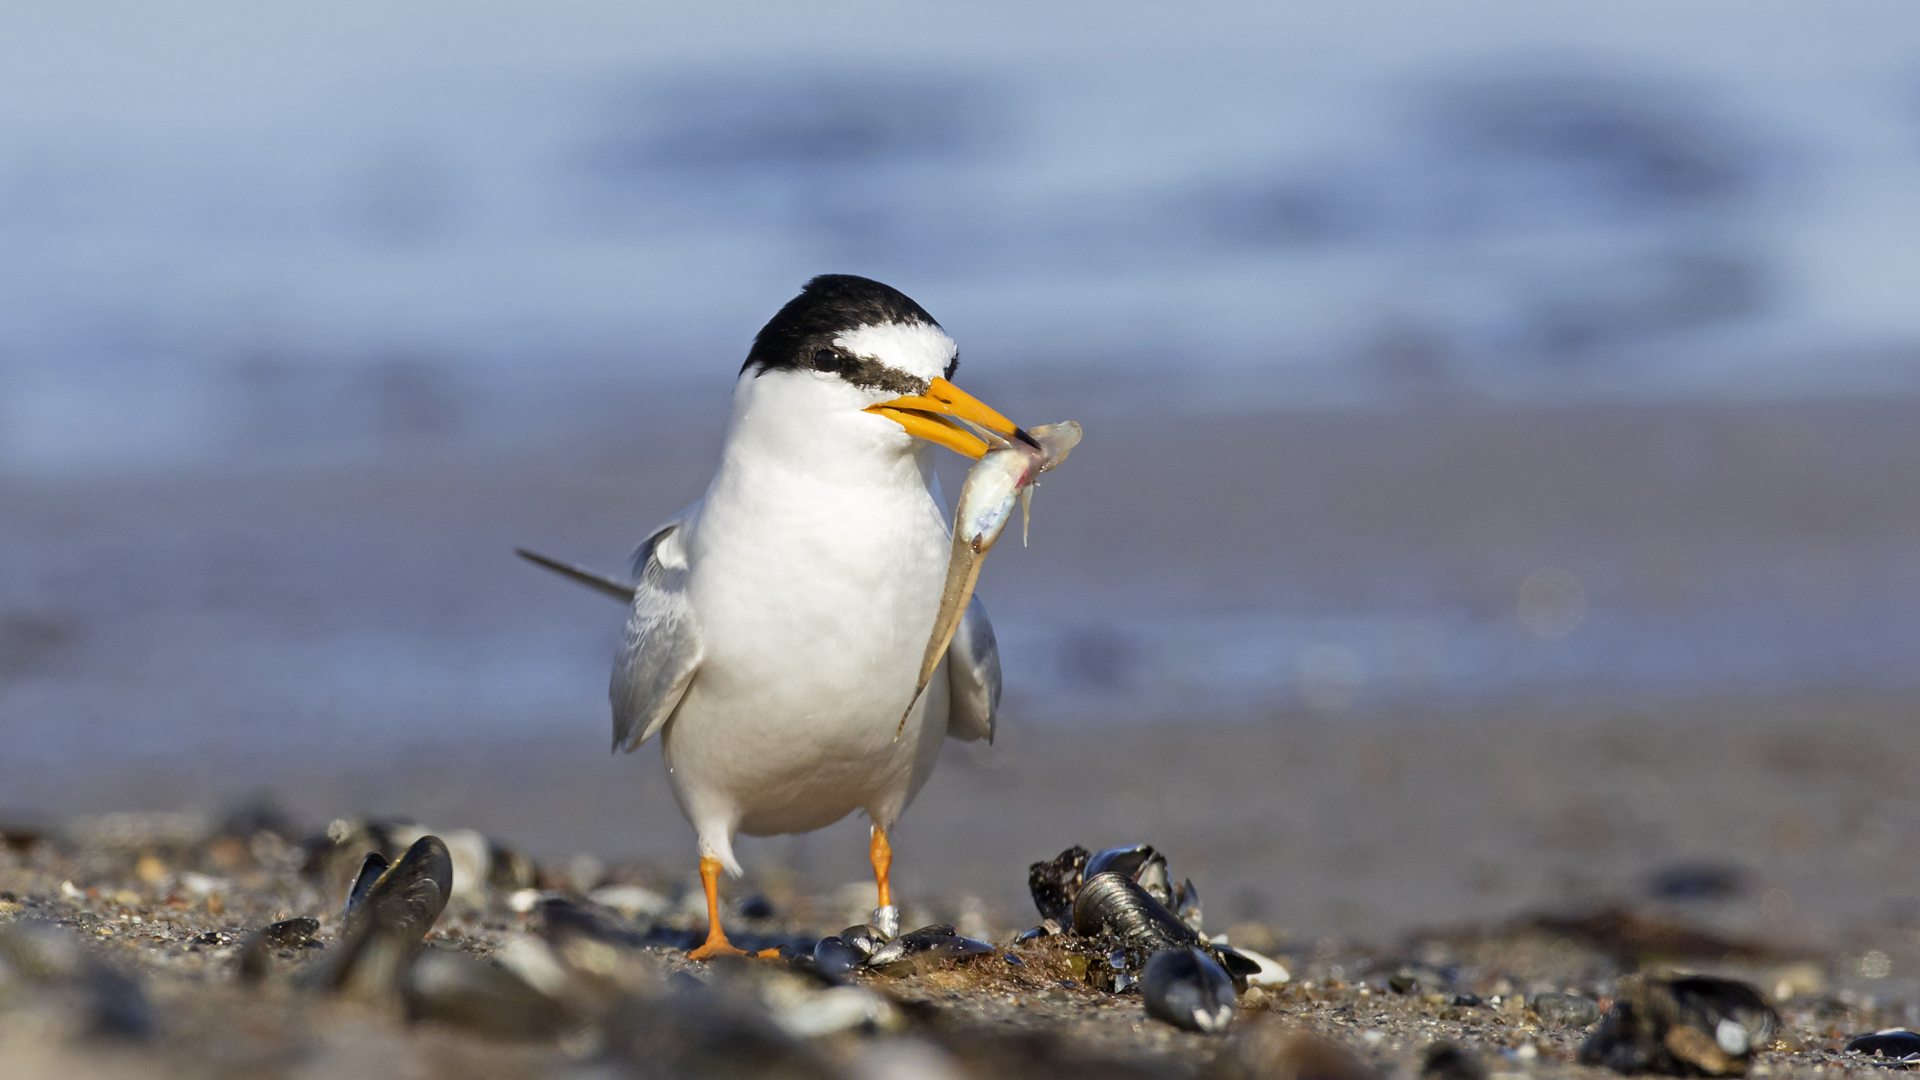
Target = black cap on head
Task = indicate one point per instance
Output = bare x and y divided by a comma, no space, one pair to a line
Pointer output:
827,307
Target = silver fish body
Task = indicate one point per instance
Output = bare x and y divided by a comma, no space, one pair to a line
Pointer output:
1003,476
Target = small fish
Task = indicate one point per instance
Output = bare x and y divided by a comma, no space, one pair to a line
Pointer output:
1003,476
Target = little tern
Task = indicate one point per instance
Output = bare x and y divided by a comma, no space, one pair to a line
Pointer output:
777,625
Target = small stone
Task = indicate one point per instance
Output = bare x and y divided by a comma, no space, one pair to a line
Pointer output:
1445,1061
294,933
1556,1009
633,901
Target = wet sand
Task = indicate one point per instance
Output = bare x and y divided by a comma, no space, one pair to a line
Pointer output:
1430,880
1320,825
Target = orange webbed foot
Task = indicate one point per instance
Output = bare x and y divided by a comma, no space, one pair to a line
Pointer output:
713,947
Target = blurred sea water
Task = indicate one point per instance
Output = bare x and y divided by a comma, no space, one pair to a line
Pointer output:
273,241
216,212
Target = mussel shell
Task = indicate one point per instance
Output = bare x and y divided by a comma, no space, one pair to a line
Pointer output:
465,991
1054,884
1710,1003
1186,904
1250,968
864,939
1147,867
1188,989
1128,859
1113,904
1897,1044
295,933
387,919
561,921
1047,928
939,942
374,865
410,895
833,956
1695,1023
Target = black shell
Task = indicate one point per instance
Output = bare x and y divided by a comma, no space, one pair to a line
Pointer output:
939,942
371,868
1188,989
1115,905
1147,867
833,956
1693,1024
295,933
1898,1044
863,939
387,918
1128,859
1055,882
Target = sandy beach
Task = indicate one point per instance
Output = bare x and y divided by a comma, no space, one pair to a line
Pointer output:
350,640
1421,888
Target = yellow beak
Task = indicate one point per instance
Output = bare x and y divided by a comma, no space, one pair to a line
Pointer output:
923,417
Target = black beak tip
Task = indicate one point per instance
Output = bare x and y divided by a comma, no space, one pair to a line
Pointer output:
1020,433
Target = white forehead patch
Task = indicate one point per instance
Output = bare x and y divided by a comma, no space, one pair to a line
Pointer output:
915,348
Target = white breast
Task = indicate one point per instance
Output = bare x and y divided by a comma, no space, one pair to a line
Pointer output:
815,570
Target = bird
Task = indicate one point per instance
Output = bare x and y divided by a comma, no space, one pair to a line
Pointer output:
776,626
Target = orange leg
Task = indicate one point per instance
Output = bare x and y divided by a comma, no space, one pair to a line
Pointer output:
716,943
882,855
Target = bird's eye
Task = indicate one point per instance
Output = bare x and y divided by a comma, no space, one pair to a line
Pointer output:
827,360
953,365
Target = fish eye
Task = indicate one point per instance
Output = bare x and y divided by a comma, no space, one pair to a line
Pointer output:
828,360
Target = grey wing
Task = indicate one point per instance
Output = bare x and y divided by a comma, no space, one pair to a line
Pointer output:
660,650
973,673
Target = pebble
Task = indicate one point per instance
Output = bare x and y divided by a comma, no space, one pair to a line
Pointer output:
1445,1061
294,933
633,901
1556,1009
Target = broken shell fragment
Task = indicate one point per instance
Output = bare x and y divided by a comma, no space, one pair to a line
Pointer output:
1250,968
1054,884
